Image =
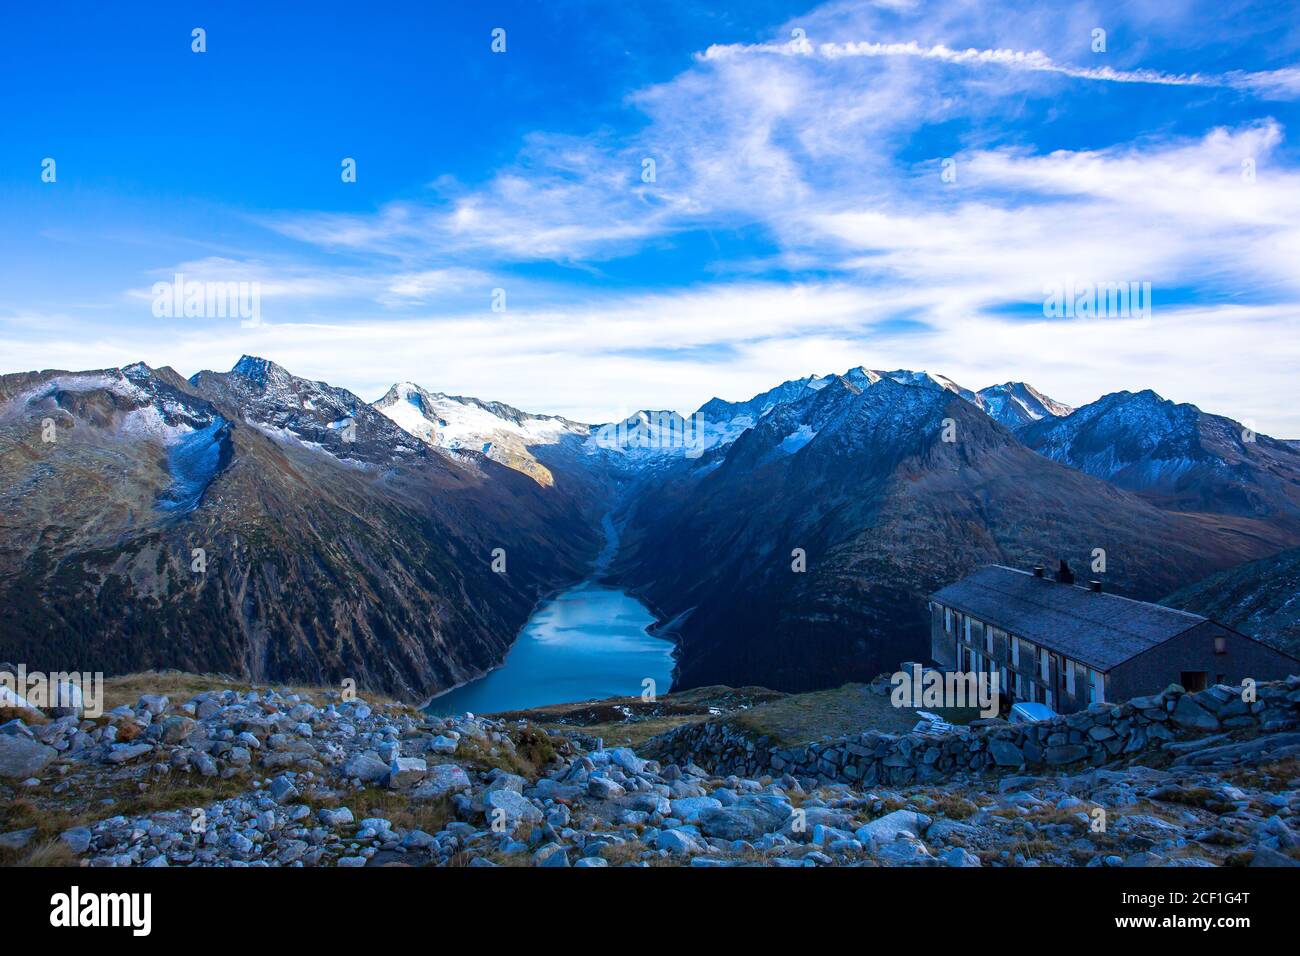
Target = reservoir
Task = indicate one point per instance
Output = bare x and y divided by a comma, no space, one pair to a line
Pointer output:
587,642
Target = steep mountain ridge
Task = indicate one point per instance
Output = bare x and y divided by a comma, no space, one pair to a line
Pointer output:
345,539
1177,456
327,552
1017,403
1260,598
884,509
1012,404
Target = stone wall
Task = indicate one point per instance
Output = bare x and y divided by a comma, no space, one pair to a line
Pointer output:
1100,734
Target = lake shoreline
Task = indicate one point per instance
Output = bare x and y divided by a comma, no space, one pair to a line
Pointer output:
563,622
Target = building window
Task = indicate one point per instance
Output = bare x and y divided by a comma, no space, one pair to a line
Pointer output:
1015,653
1097,688
1043,669
1069,677
947,620
1220,643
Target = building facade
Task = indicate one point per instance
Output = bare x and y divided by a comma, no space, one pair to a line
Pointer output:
1056,643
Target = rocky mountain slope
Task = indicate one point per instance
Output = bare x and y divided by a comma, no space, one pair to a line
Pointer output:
1012,404
261,524
499,431
1015,404
1177,456
884,510
1259,598
255,523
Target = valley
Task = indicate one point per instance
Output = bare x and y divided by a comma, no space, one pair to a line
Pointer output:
339,539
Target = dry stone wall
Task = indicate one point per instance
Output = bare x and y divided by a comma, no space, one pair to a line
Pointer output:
1100,734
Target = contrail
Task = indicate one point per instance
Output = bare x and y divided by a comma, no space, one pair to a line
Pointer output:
1278,84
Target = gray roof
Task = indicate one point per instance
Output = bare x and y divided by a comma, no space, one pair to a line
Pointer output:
1100,630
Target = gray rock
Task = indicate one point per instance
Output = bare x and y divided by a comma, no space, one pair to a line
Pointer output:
366,767
337,817
742,821
551,855
688,809
956,856
78,839
153,704
625,758
17,839
888,828
283,790
444,745
511,809
22,757
1005,753
121,753
1064,753
1267,856
442,780
602,788
406,772
1187,713
680,841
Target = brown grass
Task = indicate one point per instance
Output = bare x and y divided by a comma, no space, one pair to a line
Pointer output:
181,686
51,853
396,807
30,717
953,807
51,814
851,709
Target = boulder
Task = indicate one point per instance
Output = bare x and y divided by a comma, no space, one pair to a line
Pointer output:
888,828
177,729
1005,753
283,790
153,704
679,841
511,809
77,839
22,757
1192,716
602,788
743,821
406,772
17,839
442,780
688,809
551,855
959,857
366,767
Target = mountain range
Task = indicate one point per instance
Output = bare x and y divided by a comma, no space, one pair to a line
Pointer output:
787,540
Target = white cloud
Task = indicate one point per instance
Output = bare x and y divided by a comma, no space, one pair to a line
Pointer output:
822,153
1278,84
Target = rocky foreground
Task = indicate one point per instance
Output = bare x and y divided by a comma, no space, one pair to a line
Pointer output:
266,778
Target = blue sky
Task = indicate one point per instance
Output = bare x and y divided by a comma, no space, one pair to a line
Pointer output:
798,221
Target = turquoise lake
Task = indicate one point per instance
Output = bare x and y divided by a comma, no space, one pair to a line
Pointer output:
587,642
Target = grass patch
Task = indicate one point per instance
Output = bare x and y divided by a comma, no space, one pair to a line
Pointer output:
83,806
180,686
852,709
396,807
632,721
